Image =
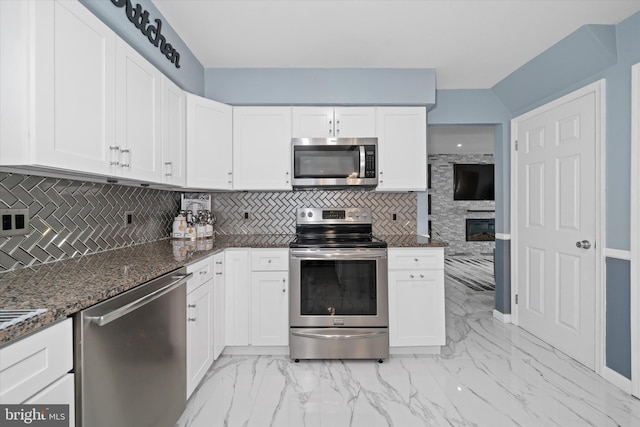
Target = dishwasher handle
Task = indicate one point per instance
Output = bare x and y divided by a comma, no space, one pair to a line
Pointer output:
109,317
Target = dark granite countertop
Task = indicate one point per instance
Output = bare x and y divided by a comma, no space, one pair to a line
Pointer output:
411,241
65,287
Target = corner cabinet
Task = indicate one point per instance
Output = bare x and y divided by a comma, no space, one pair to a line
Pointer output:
57,87
262,148
330,122
209,144
416,297
402,148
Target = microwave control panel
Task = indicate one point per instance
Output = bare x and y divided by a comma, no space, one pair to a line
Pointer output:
370,161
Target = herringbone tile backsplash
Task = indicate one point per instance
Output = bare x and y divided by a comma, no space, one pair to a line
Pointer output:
275,212
73,218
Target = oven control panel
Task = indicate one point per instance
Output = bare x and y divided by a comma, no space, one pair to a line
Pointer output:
333,216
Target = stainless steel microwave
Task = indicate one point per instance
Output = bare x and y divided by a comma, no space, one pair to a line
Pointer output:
345,163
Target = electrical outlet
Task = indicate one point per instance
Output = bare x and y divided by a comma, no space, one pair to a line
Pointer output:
15,222
128,219
246,215
394,217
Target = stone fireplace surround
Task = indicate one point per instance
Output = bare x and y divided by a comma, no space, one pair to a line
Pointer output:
448,216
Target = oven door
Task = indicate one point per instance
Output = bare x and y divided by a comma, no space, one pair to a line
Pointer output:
338,287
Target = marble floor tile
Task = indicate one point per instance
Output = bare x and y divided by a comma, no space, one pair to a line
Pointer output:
488,374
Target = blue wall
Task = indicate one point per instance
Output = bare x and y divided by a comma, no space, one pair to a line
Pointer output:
618,328
321,86
592,53
190,75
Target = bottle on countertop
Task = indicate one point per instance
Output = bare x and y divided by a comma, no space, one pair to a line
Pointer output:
179,227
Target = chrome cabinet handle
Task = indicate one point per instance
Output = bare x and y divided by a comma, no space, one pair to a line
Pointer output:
169,173
585,244
412,276
219,273
128,152
284,286
115,148
191,319
286,177
191,305
422,276
230,181
415,259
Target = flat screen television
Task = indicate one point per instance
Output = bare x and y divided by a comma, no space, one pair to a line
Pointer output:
473,182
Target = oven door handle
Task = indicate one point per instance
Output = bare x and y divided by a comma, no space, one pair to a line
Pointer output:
109,317
338,254
335,335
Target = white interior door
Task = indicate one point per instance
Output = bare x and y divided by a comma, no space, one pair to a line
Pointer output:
556,223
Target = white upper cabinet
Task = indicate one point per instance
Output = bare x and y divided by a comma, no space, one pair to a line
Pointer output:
138,116
262,148
57,86
209,144
174,134
330,122
402,148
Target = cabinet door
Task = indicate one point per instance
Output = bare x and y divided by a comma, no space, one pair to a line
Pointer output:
61,392
269,308
262,148
402,148
199,334
416,308
138,119
209,144
236,272
73,88
312,122
355,122
218,305
174,133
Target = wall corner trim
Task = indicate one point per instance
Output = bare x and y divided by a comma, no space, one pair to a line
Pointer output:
620,381
504,318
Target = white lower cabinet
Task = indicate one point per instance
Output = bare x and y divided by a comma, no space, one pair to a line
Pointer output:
269,297
200,305
35,369
236,272
219,341
416,297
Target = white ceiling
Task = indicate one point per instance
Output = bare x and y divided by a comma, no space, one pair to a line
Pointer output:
472,44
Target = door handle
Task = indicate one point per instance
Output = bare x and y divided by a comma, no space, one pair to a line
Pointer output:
585,244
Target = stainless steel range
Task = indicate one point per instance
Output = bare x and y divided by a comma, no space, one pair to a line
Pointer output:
338,307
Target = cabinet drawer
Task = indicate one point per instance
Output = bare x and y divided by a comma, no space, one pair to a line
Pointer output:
270,260
202,271
59,393
416,259
28,366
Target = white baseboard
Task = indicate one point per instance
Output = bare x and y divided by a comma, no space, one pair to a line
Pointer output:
620,381
504,318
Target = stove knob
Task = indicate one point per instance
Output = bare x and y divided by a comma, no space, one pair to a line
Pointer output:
357,214
364,214
310,214
350,214
302,215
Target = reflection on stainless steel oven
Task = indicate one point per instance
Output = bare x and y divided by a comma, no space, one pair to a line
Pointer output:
338,305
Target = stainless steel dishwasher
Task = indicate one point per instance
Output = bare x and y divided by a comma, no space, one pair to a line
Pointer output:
130,355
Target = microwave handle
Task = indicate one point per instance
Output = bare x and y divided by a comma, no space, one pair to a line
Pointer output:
362,162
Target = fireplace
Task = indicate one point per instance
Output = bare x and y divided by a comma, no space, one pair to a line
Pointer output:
481,229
